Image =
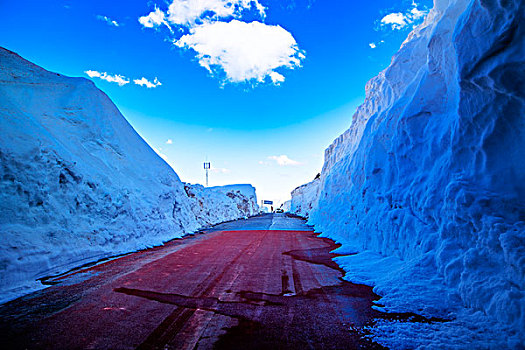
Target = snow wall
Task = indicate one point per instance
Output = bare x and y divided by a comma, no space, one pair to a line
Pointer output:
218,204
79,184
429,180
304,198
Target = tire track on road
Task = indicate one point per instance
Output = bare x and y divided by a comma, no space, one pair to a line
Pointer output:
166,332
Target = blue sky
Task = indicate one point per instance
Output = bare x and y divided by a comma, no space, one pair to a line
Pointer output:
285,76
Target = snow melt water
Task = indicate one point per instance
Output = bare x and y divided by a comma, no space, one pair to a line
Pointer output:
428,183
79,184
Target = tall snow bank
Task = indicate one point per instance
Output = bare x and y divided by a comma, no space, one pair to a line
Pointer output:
430,173
77,183
211,205
304,198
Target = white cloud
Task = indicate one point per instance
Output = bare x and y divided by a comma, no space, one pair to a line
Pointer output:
145,82
188,13
116,78
108,21
93,73
122,80
396,20
154,19
169,141
228,47
243,51
374,45
416,13
399,20
276,78
283,160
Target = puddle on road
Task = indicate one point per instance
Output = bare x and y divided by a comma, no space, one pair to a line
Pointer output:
326,317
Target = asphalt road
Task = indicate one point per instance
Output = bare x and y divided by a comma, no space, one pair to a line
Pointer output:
263,283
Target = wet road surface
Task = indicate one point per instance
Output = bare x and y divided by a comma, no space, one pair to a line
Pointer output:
263,283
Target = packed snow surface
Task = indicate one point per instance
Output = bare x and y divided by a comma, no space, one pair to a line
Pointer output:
427,185
79,184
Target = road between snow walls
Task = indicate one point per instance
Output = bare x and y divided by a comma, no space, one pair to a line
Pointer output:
427,185
78,184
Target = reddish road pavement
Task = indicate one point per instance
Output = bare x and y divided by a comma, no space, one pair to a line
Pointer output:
262,283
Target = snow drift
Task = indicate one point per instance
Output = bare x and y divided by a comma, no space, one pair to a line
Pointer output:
429,180
78,183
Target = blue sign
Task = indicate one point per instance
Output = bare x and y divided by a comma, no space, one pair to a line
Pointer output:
268,202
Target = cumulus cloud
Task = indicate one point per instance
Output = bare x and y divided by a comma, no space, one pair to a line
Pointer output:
116,78
228,47
155,19
169,141
108,20
243,51
396,20
276,77
189,12
374,45
122,80
145,82
283,160
401,20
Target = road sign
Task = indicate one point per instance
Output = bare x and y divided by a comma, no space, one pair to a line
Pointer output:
268,202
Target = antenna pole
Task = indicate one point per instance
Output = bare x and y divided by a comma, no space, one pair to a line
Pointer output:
207,166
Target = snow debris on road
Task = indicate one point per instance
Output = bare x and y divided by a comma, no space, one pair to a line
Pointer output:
428,183
79,184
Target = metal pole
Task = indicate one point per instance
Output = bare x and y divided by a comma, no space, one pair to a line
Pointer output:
207,166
